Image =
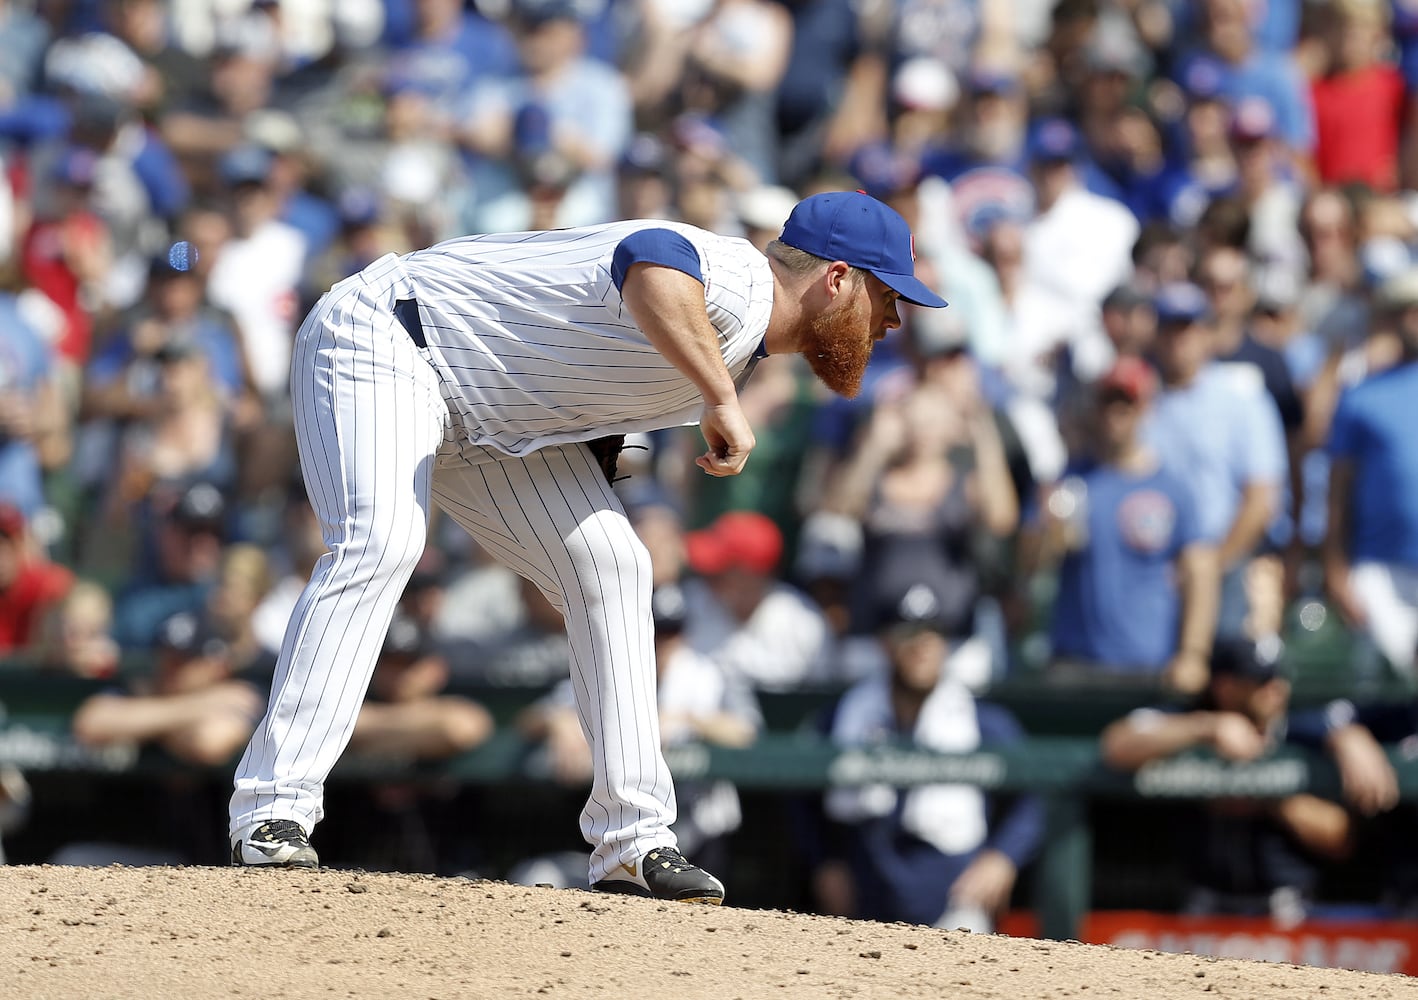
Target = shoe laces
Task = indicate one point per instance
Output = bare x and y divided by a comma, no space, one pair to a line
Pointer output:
280,829
661,856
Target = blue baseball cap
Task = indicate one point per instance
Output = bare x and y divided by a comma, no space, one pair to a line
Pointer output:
1055,141
882,171
856,228
248,164
1181,302
1203,79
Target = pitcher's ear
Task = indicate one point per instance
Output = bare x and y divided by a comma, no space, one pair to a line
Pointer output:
836,277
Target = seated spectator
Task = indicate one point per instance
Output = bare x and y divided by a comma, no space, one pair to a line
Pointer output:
1226,275
657,523
405,715
1249,857
30,585
698,702
1371,547
192,706
753,625
643,188
482,603
426,594
241,584
367,231
829,556
444,48
1137,586
299,546
986,162
185,529
1354,735
934,854
77,635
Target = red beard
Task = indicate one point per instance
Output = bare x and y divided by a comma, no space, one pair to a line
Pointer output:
838,346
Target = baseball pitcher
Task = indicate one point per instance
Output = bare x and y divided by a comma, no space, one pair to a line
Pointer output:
494,375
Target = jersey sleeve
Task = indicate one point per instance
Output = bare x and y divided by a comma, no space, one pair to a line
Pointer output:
655,246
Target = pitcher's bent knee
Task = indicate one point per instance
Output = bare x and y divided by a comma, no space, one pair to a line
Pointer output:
606,546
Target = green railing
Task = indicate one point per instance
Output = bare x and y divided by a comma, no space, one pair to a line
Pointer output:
1060,761
1067,771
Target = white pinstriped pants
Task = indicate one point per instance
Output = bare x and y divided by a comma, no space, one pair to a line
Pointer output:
370,419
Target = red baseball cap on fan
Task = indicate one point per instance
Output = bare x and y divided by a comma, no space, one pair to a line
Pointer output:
12,521
740,539
1130,377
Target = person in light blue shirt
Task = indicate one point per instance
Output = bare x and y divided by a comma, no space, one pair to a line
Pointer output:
1371,548
1218,430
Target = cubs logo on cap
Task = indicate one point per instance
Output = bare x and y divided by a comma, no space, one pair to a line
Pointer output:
855,228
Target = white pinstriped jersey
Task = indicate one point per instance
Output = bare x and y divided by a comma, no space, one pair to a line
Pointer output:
535,346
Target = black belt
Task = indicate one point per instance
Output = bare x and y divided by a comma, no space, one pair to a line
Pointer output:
406,311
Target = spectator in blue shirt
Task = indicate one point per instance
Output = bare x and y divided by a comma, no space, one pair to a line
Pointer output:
1222,438
933,854
1250,71
1371,548
1138,583
445,49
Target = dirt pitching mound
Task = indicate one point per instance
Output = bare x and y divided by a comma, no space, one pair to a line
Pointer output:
211,932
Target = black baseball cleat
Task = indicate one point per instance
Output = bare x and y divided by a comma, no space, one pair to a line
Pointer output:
664,874
281,843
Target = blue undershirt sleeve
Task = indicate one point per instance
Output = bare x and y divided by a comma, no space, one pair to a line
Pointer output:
655,246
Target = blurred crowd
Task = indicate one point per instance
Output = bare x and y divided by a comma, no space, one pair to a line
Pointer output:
1165,412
